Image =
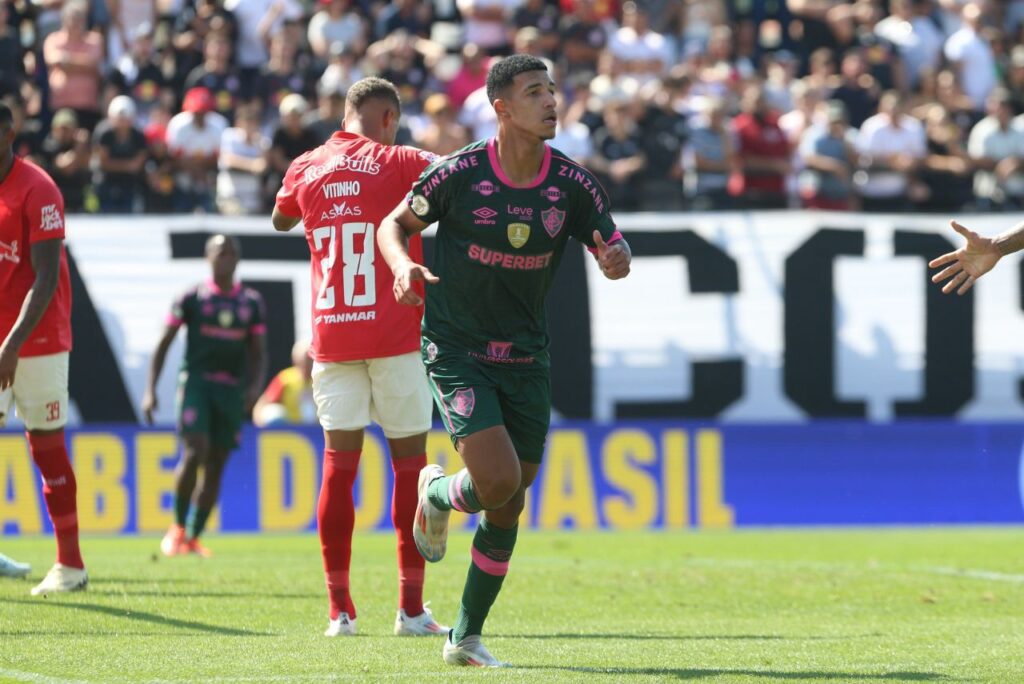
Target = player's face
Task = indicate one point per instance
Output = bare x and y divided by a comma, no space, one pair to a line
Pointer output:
531,104
223,258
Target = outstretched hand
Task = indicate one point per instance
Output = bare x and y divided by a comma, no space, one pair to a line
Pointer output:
976,258
405,275
614,259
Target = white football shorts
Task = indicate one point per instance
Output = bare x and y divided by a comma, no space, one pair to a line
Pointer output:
391,391
40,392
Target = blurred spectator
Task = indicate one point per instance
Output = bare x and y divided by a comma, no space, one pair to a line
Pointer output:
1015,78
337,22
828,159
65,156
12,65
28,133
442,134
288,399
583,38
290,139
138,74
342,71
543,17
637,50
279,77
911,28
407,61
795,122
572,137
74,56
258,21
477,115
193,140
216,74
708,158
121,155
125,17
698,19
159,192
972,57
472,75
242,163
891,146
326,120
763,154
410,16
854,28
618,157
780,74
821,76
996,145
486,23
856,88
191,27
663,133
947,170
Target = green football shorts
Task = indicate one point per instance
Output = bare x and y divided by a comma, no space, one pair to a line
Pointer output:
211,408
474,395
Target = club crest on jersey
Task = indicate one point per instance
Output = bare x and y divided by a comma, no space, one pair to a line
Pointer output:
225,318
463,402
518,234
419,205
552,219
9,252
244,313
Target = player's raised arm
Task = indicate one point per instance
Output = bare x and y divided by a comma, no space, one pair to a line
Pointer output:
393,242
282,222
156,366
975,258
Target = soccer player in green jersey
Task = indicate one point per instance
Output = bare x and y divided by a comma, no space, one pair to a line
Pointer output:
226,342
505,208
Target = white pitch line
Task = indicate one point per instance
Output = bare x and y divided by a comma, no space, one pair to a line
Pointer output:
975,574
35,678
966,573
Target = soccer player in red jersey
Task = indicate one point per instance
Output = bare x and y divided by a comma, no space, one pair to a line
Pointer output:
365,345
35,326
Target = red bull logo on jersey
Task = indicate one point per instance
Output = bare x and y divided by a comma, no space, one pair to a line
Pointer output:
552,219
9,252
341,162
463,402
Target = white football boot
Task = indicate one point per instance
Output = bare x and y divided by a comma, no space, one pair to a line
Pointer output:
343,626
430,526
61,578
12,568
470,652
423,624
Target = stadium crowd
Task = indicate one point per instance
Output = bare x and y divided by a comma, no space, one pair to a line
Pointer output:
200,105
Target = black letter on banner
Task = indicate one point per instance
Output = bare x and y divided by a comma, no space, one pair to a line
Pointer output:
94,377
716,384
949,335
809,358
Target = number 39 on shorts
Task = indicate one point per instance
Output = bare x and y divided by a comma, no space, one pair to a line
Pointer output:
358,282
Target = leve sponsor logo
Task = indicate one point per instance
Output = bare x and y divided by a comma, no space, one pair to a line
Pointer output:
50,218
484,216
519,212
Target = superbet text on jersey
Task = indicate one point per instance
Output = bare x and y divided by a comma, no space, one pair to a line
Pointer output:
343,190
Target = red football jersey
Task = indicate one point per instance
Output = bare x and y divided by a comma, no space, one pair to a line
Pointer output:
32,210
343,190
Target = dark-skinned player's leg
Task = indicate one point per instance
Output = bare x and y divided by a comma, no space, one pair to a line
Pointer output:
195,447
205,496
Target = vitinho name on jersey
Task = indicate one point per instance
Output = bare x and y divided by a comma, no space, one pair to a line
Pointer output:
344,189
513,262
347,317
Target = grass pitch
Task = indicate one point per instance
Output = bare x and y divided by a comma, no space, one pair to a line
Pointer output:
935,605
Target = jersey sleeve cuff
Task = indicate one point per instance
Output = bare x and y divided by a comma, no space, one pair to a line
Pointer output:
616,237
258,329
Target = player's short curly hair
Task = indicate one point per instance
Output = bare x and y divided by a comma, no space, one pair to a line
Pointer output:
504,70
370,88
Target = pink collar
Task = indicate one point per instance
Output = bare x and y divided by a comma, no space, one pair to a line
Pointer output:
492,154
212,285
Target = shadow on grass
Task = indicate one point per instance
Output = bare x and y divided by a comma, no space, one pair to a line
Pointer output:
684,673
137,580
140,616
155,593
683,637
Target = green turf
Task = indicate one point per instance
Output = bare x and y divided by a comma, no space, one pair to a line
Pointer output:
756,606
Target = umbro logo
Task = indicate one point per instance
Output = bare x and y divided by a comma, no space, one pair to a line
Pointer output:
484,216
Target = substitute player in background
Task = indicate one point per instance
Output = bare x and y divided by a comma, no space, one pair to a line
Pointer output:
506,208
365,345
978,256
222,372
35,329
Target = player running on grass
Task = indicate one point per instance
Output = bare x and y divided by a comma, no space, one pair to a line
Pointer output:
978,256
226,341
366,346
35,341
506,208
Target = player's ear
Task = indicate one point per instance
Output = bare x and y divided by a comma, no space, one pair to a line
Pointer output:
500,107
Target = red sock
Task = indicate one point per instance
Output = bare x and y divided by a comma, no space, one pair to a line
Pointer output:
59,489
403,511
335,518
